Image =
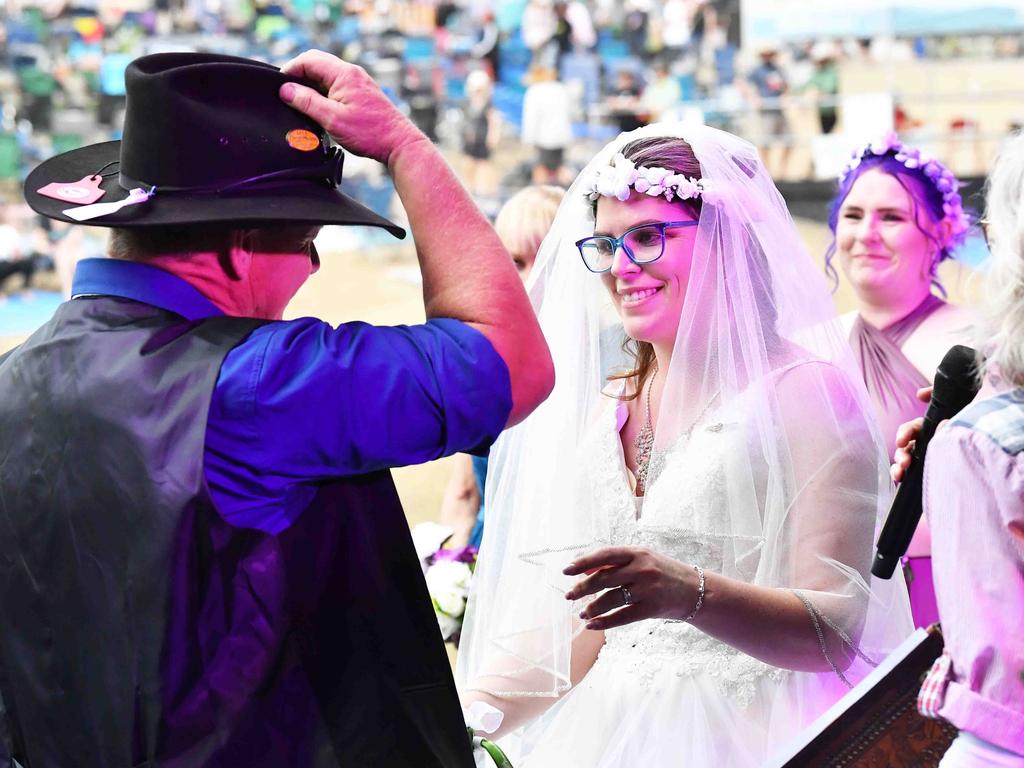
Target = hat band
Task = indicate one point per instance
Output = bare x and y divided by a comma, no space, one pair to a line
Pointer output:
330,171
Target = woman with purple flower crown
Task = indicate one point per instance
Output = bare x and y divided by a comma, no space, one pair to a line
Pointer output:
676,564
896,217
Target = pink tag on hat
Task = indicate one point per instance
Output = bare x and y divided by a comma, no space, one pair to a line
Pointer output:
81,192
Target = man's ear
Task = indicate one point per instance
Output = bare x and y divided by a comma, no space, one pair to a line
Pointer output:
236,259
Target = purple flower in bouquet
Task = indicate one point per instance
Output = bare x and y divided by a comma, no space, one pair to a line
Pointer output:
448,573
465,554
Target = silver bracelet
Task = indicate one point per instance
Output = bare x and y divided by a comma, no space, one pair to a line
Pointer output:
700,593
700,598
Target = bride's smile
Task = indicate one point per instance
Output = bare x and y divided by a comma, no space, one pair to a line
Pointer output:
648,296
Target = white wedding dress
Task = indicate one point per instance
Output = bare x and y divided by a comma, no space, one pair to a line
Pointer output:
664,693
781,483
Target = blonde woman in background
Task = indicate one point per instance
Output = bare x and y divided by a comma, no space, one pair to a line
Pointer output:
521,225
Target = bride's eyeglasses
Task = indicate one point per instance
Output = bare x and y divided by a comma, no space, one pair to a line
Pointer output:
641,244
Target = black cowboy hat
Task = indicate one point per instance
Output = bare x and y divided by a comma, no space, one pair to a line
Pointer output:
209,136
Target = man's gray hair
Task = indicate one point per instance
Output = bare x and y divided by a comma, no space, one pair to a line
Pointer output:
139,244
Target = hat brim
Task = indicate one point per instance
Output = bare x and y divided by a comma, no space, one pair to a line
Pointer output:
286,202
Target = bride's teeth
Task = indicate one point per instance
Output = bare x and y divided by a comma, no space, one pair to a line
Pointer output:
635,296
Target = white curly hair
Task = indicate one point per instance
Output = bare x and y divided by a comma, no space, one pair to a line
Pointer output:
1003,311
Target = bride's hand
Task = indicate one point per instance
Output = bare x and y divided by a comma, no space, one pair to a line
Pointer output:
636,584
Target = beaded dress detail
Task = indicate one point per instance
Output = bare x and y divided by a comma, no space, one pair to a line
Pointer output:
676,518
678,676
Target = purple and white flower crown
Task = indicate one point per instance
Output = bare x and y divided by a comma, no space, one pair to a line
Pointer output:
939,175
615,180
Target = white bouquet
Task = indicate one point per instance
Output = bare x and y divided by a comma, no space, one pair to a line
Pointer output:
448,573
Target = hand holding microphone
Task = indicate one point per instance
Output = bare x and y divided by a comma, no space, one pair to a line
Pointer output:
905,435
955,387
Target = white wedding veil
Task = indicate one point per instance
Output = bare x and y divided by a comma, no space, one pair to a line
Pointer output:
759,344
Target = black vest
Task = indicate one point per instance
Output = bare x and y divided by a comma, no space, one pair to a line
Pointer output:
137,628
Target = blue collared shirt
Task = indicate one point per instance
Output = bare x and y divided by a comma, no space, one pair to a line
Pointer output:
299,402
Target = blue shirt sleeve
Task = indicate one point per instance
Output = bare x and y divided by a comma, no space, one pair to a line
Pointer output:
299,403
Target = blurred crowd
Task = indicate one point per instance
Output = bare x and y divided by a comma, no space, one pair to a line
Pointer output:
544,80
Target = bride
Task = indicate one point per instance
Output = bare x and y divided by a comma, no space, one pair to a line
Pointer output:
678,567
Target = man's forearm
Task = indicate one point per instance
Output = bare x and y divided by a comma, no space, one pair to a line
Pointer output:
465,267
467,273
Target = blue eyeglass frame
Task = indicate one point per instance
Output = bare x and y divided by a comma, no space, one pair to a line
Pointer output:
620,242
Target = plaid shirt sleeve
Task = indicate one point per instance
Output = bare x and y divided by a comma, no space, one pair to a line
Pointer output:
933,691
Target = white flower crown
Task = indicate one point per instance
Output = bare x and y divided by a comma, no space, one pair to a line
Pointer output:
615,180
938,174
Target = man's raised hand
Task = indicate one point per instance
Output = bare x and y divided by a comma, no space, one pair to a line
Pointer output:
349,105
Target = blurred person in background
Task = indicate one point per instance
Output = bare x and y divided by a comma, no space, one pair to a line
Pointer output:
624,101
547,124
481,132
444,13
521,225
111,84
488,47
15,258
676,28
582,34
974,500
38,87
418,92
563,33
896,216
538,28
823,83
715,55
766,85
662,96
635,27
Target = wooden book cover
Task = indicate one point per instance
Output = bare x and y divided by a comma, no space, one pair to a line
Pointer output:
877,725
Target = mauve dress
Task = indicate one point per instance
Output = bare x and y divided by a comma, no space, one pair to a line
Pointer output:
892,381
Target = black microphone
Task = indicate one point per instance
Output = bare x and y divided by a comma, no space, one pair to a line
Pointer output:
955,387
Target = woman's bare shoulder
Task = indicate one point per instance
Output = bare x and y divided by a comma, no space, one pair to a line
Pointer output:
950,324
953,318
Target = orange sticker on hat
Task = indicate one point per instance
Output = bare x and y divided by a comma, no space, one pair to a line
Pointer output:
302,140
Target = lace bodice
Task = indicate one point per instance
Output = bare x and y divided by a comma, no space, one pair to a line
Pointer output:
678,517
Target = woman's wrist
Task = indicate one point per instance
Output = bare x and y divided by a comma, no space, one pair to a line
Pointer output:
699,603
695,600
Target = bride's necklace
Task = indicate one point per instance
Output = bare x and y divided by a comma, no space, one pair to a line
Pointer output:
644,441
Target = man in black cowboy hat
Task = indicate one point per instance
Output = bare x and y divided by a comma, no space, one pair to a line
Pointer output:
203,561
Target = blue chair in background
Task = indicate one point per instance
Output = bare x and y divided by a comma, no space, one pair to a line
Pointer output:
612,48
345,31
515,58
377,197
725,64
687,87
585,68
419,49
508,100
